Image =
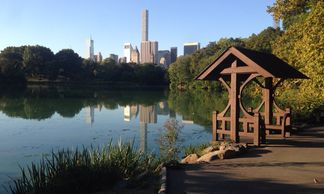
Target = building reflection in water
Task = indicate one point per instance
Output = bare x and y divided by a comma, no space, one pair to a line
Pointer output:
130,111
90,113
147,114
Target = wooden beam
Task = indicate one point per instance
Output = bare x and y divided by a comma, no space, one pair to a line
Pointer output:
235,109
268,100
250,63
211,67
240,70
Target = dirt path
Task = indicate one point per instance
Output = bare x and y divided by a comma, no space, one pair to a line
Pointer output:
284,166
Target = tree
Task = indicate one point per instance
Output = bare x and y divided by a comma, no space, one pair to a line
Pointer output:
36,60
11,64
69,64
301,45
263,41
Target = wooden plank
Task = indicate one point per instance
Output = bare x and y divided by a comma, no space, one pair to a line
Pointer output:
214,128
239,70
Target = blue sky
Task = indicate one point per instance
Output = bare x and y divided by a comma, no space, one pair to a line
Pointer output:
59,24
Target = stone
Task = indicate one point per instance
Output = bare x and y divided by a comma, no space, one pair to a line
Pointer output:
233,147
209,156
226,154
222,147
207,150
190,159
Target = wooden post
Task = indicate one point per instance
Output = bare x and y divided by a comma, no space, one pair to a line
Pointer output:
235,109
268,101
214,128
288,122
256,128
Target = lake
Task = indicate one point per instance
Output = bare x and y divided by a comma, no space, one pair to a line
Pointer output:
37,120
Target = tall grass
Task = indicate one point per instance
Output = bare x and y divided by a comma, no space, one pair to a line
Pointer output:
87,170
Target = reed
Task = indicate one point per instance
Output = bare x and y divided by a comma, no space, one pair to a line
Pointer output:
88,170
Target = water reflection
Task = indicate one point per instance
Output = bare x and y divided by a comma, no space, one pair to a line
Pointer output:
36,120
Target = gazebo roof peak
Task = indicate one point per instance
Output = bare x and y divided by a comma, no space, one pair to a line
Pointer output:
248,62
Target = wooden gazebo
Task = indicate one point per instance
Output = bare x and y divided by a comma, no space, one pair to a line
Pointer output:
235,68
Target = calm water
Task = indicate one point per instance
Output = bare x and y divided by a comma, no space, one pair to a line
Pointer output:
36,120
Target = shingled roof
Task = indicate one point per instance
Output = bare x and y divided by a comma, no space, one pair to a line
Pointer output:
267,65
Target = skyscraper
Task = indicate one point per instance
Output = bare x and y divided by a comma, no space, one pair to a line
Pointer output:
149,49
149,52
174,54
89,54
190,47
135,56
145,25
98,58
164,58
128,51
114,57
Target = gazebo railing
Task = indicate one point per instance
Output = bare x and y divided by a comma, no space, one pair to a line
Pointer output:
250,126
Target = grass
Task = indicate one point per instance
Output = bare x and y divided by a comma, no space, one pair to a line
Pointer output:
195,149
88,170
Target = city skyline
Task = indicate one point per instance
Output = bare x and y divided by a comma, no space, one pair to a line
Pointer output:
58,25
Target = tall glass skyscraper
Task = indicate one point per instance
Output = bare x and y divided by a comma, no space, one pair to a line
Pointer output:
89,54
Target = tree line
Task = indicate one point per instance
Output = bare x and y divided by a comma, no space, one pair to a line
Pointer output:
35,63
300,43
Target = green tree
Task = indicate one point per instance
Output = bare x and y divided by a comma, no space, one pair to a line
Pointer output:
69,64
301,45
263,41
36,60
11,65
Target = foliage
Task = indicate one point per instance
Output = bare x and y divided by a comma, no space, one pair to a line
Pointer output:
183,71
37,63
169,140
11,65
301,45
37,60
88,170
195,149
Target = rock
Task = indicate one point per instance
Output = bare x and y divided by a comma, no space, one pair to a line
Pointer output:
226,154
243,147
209,157
233,147
222,147
190,159
207,150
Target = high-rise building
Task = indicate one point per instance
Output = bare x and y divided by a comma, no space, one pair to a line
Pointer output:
135,56
127,51
164,58
145,17
89,54
190,47
149,52
98,58
149,49
114,57
174,54
122,60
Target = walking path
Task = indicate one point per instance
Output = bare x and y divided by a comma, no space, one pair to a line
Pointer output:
294,165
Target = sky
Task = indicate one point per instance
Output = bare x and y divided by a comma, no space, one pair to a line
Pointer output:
60,24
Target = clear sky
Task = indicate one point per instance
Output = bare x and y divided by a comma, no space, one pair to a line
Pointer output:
59,24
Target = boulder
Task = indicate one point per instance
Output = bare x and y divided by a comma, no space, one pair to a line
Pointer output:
207,150
226,154
209,157
190,159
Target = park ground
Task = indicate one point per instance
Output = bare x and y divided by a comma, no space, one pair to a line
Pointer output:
292,165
